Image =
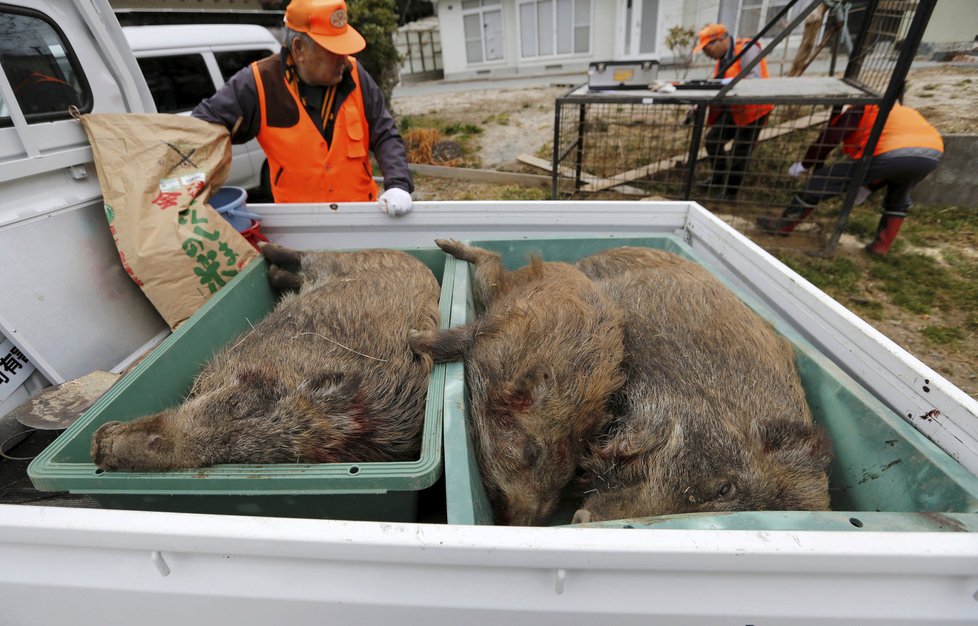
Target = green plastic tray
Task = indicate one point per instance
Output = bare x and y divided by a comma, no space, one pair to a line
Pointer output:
364,491
881,463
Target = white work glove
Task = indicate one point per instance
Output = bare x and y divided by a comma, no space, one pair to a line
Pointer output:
395,202
862,194
796,169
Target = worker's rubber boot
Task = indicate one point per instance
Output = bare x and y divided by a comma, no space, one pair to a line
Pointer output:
790,218
886,232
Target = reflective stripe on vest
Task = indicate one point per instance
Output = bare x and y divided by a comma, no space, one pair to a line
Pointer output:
302,168
904,128
744,114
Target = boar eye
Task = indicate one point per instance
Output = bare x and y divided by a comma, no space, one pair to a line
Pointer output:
726,490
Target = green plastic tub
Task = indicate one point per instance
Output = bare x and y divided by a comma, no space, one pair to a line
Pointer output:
885,474
361,491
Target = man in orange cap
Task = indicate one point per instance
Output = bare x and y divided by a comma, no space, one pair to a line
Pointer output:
317,114
741,123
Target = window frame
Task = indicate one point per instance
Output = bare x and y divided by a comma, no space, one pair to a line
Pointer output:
86,103
535,31
208,74
765,8
480,10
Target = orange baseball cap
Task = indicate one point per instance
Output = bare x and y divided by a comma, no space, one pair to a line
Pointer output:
710,33
327,22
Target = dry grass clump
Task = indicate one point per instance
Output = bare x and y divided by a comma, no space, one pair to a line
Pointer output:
429,146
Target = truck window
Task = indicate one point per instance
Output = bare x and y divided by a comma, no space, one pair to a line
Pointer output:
232,61
42,69
178,83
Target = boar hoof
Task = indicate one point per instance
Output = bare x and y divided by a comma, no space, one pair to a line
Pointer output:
581,516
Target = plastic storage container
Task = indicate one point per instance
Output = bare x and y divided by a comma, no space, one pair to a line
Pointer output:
362,491
885,475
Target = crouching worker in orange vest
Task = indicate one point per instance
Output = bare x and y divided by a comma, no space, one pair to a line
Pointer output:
907,151
317,114
742,123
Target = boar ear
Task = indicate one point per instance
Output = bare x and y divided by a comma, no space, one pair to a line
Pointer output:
794,442
155,442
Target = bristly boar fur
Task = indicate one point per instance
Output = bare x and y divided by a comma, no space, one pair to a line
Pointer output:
540,364
326,377
712,415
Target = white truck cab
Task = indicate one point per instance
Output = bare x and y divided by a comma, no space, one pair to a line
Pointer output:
183,64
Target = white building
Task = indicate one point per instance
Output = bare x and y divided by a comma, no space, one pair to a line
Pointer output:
506,37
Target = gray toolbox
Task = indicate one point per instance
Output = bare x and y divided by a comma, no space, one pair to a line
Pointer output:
611,75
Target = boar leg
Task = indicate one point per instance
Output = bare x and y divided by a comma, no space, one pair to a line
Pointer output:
489,270
280,255
448,345
284,265
452,344
283,280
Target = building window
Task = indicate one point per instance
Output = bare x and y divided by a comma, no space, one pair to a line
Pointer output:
554,27
41,68
482,21
755,14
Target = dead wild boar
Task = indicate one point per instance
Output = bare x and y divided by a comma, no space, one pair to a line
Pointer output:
712,415
540,366
326,377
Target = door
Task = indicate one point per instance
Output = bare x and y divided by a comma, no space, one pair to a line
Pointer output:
639,29
482,21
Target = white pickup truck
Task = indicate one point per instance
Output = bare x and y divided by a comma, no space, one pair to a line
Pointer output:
899,547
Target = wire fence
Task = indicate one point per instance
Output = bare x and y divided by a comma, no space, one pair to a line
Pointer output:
734,154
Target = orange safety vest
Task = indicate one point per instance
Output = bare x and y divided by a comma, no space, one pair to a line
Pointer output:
904,128
743,114
302,168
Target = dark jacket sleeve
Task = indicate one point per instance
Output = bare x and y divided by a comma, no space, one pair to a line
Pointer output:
237,99
385,141
838,128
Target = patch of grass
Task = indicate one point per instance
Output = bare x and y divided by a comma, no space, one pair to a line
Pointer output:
941,227
862,224
462,129
942,335
925,95
965,294
446,127
839,277
962,83
516,192
913,282
944,219
498,118
930,87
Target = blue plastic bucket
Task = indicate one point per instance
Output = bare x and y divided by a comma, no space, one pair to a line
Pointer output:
230,202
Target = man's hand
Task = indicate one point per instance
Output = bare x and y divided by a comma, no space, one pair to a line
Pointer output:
796,169
395,202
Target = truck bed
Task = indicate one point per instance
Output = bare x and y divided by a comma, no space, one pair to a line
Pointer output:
896,568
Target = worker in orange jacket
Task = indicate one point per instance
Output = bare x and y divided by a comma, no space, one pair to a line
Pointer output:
317,114
741,123
908,149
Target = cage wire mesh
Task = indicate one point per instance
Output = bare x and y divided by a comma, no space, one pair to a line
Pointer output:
649,147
